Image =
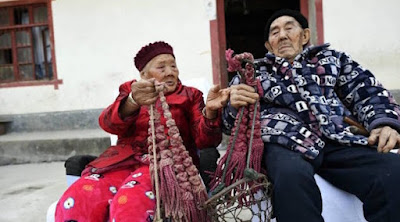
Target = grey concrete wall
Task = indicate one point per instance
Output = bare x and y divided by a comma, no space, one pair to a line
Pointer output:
68,120
55,136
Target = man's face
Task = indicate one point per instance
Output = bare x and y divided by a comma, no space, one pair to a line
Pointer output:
287,37
163,68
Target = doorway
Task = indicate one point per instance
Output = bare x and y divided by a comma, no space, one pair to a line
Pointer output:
240,26
245,21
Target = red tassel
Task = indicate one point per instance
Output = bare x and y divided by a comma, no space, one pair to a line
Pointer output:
170,191
181,189
234,167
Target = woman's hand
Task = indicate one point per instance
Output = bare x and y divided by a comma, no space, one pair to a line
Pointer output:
216,99
145,92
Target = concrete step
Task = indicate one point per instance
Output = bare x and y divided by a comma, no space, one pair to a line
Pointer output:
45,146
50,121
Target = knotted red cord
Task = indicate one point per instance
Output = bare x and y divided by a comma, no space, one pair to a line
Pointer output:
181,188
232,165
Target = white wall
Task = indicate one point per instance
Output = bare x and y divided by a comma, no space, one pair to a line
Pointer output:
369,30
95,42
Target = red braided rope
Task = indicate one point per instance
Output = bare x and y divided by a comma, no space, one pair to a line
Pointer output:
181,188
232,165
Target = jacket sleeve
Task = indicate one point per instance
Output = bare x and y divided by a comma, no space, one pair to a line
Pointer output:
229,113
110,119
365,97
206,132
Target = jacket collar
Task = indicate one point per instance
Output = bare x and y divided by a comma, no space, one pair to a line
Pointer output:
271,58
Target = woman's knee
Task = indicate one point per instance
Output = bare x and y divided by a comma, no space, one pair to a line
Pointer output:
135,193
83,201
88,198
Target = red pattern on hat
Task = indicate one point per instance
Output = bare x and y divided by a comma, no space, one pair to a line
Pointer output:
148,52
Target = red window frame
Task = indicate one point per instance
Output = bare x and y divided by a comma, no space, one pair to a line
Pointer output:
13,28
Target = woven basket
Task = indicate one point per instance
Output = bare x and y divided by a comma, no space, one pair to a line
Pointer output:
228,204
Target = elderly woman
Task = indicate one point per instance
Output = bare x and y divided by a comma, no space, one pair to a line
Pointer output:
117,185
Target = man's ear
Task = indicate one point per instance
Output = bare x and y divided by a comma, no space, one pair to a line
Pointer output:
268,46
306,36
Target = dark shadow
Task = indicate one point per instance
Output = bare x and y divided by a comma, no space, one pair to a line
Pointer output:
245,21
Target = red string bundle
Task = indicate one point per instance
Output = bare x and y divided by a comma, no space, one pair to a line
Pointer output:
234,169
181,189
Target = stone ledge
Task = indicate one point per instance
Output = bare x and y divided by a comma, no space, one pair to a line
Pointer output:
49,149
50,121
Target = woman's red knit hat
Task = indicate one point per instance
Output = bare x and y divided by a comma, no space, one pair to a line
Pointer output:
146,53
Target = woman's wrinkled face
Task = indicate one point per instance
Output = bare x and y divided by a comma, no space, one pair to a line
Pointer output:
162,68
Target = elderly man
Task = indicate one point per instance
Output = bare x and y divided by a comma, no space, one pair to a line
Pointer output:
307,93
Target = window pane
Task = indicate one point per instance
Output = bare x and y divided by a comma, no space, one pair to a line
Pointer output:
21,16
48,53
40,14
5,40
4,17
26,72
24,55
42,52
5,56
50,70
23,38
6,73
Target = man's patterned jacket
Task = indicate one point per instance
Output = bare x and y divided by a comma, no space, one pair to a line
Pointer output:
304,103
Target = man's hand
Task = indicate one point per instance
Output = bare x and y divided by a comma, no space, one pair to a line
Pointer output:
386,137
242,95
216,99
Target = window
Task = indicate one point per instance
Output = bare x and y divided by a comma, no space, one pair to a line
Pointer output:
26,44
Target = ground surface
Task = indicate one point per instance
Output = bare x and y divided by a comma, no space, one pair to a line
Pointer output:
27,190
